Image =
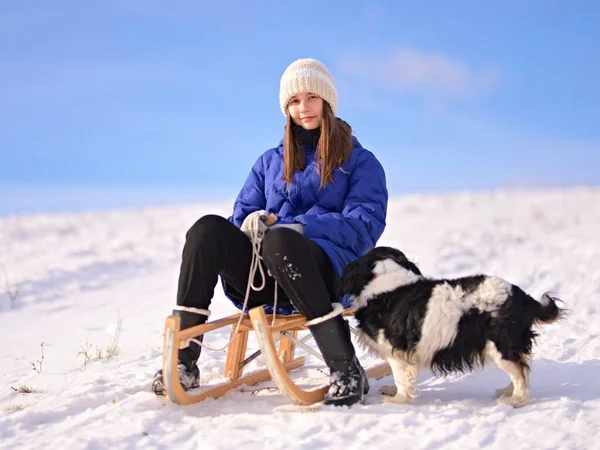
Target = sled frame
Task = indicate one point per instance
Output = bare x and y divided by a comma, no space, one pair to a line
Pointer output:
279,359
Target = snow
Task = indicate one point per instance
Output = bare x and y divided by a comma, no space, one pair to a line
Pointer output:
85,281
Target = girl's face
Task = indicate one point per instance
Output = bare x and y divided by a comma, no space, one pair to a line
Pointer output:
306,110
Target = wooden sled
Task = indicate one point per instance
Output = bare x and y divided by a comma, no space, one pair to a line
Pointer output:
279,360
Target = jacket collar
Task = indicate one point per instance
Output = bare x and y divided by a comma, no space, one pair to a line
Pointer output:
307,138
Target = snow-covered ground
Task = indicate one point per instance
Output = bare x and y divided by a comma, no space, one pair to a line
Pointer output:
78,283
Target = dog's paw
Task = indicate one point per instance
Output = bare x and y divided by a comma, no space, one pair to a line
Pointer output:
389,390
505,392
515,402
393,395
398,399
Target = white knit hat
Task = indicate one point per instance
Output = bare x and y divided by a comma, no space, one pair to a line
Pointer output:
307,75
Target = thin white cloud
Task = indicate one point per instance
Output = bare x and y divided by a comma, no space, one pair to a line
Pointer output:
433,74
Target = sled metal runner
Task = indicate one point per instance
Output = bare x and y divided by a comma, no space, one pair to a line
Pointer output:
280,360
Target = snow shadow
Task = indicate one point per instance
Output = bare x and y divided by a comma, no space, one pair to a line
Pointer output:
550,380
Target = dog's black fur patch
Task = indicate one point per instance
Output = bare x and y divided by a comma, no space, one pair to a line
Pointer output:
401,321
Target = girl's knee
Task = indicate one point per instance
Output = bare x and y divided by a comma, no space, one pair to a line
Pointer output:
280,241
207,226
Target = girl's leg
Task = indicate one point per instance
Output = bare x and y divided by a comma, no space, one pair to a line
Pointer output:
214,246
302,268
306,274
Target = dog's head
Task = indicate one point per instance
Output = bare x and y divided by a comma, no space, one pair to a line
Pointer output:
382,269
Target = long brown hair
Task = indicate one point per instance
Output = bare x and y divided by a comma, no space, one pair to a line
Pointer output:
333,148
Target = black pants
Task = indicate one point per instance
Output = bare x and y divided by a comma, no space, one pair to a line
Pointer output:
214,246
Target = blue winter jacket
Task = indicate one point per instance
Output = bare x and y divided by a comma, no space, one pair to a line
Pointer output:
345,218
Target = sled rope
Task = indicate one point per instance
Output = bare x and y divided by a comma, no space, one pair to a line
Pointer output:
338,309
256,237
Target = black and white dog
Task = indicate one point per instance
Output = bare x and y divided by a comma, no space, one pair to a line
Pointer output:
447,325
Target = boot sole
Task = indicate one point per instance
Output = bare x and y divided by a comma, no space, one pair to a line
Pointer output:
346,401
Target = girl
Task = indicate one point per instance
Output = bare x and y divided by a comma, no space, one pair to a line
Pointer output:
329,198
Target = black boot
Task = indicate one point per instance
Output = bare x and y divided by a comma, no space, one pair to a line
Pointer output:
349,382
189,374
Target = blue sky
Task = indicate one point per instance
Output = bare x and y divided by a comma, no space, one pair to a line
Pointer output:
182,97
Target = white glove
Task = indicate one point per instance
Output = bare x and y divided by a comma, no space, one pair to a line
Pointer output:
254,225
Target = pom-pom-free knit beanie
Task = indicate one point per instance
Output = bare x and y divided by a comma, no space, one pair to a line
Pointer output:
307,75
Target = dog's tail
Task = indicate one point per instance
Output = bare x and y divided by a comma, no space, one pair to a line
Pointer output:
546,310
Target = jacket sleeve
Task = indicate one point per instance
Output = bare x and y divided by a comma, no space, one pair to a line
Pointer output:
362,221
252,196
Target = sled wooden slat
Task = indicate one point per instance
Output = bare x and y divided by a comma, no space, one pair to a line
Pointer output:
235,354
287,348
288,323
199,330
379,371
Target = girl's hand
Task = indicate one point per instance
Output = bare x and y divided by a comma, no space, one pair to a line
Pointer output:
256,224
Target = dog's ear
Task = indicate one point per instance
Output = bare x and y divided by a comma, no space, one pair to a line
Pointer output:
413,268
403,261
355,276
